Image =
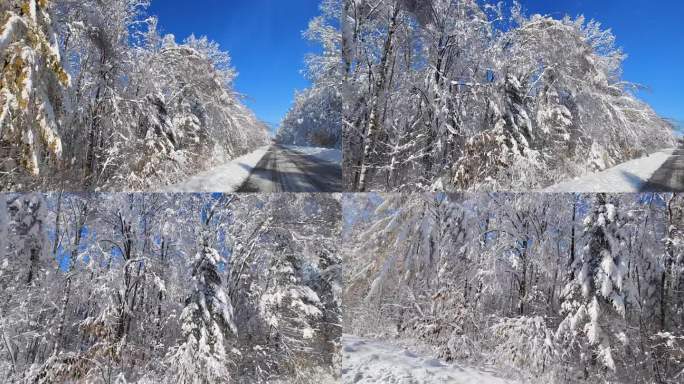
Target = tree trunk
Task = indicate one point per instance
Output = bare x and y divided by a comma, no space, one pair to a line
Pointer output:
374,118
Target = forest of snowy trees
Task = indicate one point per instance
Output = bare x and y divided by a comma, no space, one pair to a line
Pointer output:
466,94
93,97
153,288
420,96
547,288
315,118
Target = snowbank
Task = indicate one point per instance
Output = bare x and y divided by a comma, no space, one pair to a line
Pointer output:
323,154
226,178
366,361
624,178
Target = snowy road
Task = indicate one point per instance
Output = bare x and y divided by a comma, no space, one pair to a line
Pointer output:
226,178
372,361
283,169
669,177
661,171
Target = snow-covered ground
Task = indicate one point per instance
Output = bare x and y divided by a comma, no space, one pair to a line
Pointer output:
323,154
226,178
373,361
627,177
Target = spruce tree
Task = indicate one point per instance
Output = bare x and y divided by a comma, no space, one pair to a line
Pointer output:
595,303
206,321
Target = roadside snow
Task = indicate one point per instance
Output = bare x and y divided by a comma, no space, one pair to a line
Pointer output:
624,178
373,361
319,375
226,178
323,154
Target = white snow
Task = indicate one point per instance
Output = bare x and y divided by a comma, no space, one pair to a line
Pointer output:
10,26
374,361
226,178
307,333
322,154
624,178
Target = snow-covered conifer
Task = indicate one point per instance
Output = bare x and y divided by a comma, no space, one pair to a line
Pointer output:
596,313
206,321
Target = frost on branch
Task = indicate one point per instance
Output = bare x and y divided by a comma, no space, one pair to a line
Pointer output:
315,118
31,82
450,95
556,288
149,288
141,110
598,313
206,321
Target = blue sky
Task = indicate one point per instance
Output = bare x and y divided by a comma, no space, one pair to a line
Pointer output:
265,42
649,31
263,37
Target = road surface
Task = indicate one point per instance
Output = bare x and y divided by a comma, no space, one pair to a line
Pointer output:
669,177
285,170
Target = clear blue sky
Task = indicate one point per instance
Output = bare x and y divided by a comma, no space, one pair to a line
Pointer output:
265,42
263,37
651,32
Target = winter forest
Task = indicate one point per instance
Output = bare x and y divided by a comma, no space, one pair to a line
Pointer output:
315,118
476,95
115,269
418,94
541,288
153,288
93,97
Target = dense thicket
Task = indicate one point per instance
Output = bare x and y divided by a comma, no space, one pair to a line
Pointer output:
315,118
169,288
92,97
463,94
554,288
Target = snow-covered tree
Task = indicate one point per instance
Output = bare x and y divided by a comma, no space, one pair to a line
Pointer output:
446,94
672,275
519,281
28,236
4,223
315,118
153,287
291,309
24,280
597,315
31,82
94,84
206,320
